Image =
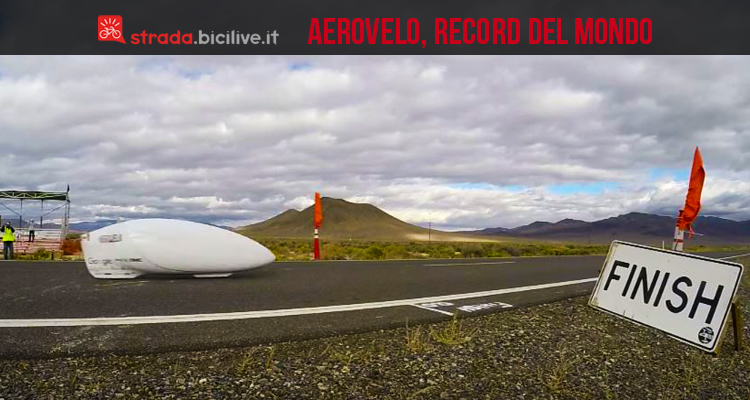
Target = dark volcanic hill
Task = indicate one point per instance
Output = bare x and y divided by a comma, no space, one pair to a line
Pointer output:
633,226
346,220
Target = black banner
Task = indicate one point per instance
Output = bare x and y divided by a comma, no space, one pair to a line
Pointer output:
382,27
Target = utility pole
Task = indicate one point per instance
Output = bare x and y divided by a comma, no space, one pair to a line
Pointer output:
429,232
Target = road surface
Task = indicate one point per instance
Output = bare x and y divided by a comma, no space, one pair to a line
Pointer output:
56,308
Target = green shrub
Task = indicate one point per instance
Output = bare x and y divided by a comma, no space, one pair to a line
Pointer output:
334,252
374,252
40,254
301,249
395,252
473,250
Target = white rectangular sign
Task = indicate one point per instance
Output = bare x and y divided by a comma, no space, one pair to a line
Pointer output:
684,295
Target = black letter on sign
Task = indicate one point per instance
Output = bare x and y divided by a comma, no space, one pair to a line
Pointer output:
630,280
647,291
661,289
612,275
679,293
705,300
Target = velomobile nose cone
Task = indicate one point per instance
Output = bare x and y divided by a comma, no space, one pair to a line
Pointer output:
171,246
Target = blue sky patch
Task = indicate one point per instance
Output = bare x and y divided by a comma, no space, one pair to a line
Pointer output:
194,74
679,174
587,188
168,65
154,64
300,66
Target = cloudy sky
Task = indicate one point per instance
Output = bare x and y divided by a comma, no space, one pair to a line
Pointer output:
463,142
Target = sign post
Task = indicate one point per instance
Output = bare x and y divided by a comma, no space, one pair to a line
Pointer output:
686,296
737,321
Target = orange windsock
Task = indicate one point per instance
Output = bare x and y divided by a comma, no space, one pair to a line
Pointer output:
318,216
693,200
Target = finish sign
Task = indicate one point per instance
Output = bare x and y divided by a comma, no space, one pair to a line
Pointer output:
684,295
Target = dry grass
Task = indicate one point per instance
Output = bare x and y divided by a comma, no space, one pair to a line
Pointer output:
453,333
416,339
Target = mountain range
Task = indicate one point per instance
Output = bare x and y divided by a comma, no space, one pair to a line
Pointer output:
345,220
632,226
88,226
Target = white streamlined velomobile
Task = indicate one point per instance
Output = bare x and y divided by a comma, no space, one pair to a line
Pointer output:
167,246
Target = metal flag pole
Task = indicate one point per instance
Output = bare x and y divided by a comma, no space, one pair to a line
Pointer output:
316,245
679,235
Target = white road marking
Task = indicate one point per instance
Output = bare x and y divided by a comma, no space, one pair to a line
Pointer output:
160,319
479,307
478,263
468,308
737,256
432,309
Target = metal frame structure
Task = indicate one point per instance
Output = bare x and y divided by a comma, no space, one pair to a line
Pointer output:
35,195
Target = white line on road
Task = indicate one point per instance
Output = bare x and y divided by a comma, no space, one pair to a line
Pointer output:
479,263
160,319
432,309
737,256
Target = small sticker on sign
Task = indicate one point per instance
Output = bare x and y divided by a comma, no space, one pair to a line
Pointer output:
706,335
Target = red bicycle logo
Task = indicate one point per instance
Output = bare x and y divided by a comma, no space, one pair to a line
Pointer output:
110,28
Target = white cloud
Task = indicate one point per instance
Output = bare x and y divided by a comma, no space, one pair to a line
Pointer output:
239,139
298,203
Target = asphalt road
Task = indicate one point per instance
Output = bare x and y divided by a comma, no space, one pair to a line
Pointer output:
54,309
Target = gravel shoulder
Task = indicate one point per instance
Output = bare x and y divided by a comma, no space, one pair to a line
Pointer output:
562,350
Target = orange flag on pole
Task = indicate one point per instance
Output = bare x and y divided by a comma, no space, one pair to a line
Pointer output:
693,199
318,216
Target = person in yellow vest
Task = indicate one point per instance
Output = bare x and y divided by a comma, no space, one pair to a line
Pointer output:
9,236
